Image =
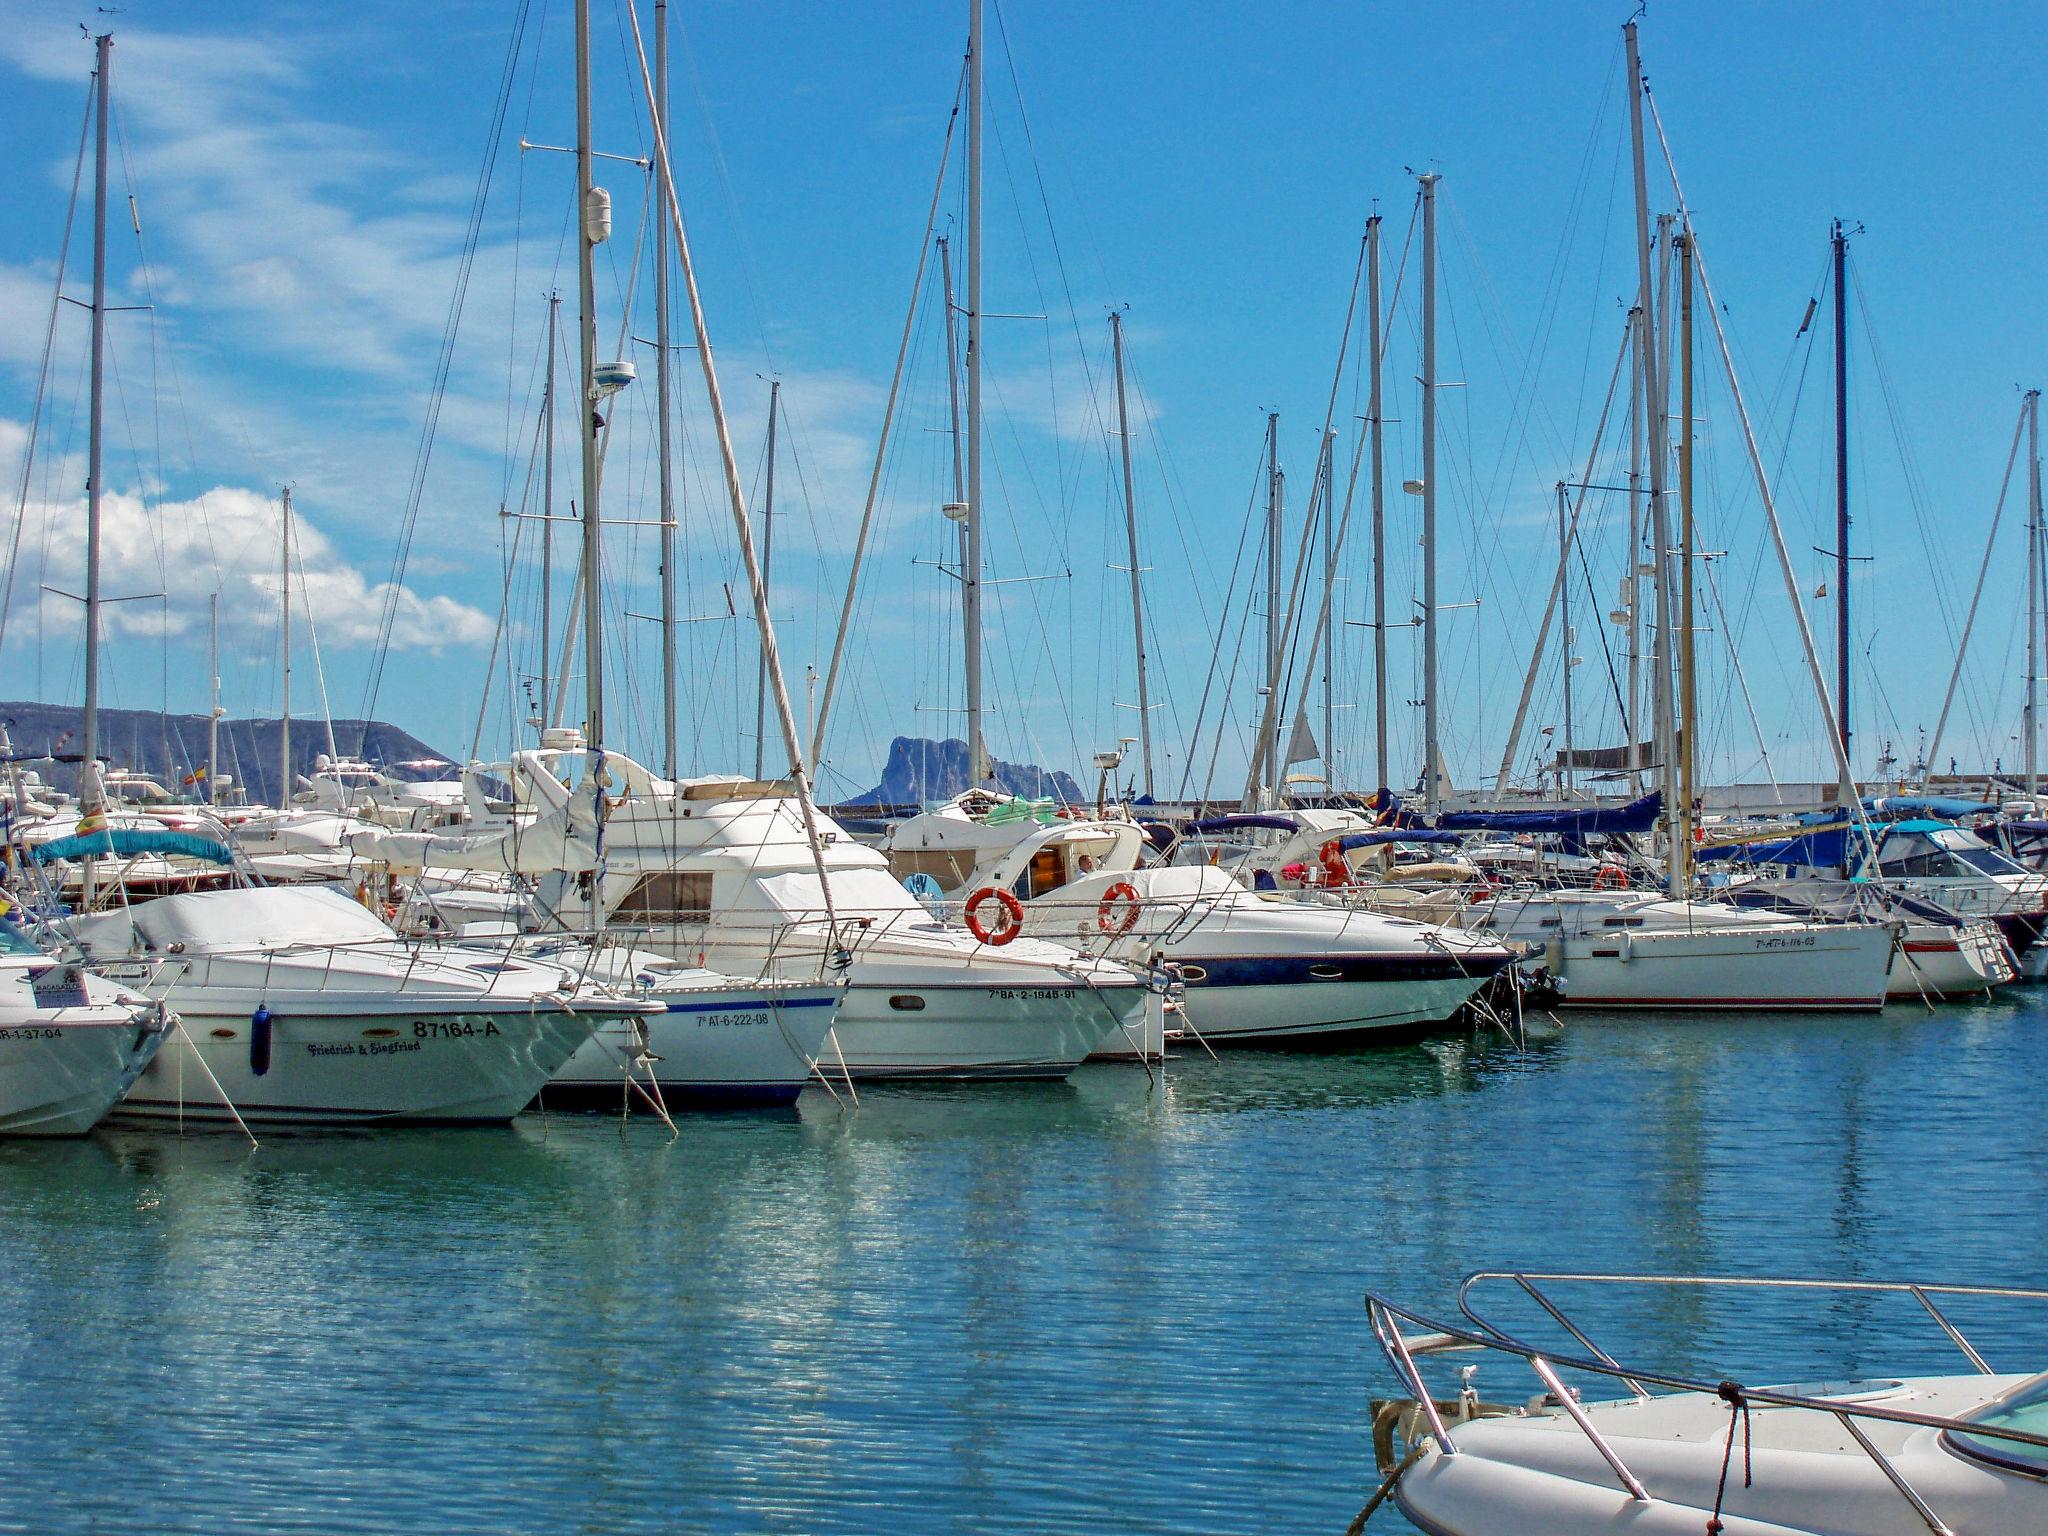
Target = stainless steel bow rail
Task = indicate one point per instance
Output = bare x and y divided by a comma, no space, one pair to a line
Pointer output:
1427,1418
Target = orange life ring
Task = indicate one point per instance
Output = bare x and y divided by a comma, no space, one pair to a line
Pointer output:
1336,868
1123,896
1013,916
1610,877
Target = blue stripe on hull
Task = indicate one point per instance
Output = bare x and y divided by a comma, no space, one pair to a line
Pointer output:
1312,970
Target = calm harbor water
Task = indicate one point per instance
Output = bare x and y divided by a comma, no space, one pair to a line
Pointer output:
1100,1306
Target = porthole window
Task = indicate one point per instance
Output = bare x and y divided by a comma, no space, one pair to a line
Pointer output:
906,1002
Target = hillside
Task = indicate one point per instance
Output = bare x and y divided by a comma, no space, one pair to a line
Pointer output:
919,770
167,747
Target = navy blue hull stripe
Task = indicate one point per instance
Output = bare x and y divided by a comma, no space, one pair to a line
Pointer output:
753,1004
1308,970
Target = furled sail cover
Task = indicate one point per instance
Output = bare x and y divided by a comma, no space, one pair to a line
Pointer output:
1637,816
565,839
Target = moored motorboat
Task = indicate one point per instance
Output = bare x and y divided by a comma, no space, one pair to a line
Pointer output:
304,1008
1608,1444
720,1042
71,1043
1258,968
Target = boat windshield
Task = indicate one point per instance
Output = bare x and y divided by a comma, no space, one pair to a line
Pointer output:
1977,853
14,942
2024,1408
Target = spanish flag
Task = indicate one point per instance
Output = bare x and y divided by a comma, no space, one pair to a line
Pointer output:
92,822
197,775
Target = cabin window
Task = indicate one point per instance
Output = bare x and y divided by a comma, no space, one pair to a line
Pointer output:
671,896
1045,871
1916,860
907,1002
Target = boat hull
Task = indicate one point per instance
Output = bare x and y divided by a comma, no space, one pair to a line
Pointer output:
60,1073
737,1047
379,1061
1330,1002
965,1029
1949,963
1811,969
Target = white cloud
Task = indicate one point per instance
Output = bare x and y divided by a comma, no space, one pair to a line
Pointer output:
223,540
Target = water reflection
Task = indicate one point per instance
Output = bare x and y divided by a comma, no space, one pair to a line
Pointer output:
1036,1307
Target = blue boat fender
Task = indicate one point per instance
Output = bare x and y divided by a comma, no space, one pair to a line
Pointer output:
259,1040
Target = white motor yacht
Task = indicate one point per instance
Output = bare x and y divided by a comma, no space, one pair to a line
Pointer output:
306,1009
71,1043
1259,968
720,1042
718,872
1584,1440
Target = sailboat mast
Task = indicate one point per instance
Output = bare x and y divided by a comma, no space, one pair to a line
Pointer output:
1681,853
284,743
1375,346
591,205
1841,251
547,522
213,696
767,572
2033,588
1653,418
978,767
1123,435
1565,782
1634,732
1329,588
666,482
89,731
1431,784
1275,511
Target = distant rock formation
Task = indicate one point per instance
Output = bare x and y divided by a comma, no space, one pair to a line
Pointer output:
168,747
919,770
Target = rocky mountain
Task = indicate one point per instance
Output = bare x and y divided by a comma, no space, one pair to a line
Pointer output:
168,747
919,769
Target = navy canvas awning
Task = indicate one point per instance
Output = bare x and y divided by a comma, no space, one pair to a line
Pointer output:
1637,816
1234,823
1822,848
1380,835
1947,807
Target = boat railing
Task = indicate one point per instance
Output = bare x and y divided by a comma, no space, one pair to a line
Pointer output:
1434,1416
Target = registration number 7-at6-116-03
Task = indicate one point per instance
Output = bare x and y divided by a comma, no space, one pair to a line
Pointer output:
452,1029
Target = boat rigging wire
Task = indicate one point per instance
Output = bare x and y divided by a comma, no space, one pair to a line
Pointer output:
28,458
444,363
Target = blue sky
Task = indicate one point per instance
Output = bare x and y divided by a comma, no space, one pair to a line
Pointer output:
304,179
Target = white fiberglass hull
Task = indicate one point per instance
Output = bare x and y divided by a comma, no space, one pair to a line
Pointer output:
333,1060
1332,1013
1269,971
1792,1474
921,1022
1936,962
63,1069
1623,951
721,1043
1820,968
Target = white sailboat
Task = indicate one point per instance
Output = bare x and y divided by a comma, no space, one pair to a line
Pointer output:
1626,948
